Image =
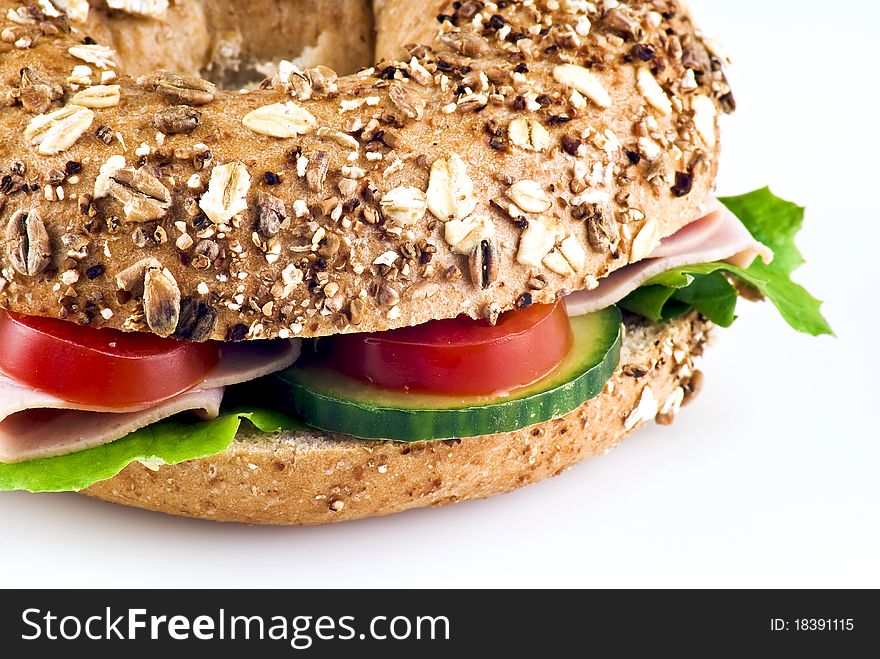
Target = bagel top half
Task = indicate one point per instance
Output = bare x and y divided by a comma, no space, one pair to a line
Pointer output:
499,154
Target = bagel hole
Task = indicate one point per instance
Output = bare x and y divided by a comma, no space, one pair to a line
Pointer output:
239,44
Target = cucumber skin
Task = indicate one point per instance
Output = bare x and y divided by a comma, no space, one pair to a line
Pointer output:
366,419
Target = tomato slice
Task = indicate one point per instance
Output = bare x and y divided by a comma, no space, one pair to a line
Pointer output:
100,368
461,356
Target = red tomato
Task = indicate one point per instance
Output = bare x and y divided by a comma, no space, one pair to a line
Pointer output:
460,356
102,368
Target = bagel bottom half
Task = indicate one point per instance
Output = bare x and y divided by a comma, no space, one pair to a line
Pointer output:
305,478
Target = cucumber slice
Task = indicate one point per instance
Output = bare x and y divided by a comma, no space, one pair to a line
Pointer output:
328,400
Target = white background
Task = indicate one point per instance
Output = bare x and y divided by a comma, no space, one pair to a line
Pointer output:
771,479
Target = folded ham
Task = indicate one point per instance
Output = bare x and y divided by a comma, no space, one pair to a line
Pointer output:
34,424
719,236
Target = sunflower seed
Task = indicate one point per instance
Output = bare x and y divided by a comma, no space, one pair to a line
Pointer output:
144,196
105,134
584,81
161,301
271,215
471,103
619,22
484,264
179,87
99,96
450,189
58,131
322,78
281,120
196,322
537,283
347,187
388,296
693,388
404,206
602,231
316,173
209,249
530,197
468,44
131,279
28,246
176,119
356,312
407,101
227,192
38,91
329,246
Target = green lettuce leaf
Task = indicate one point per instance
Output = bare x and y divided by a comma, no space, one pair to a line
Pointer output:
664,299
656,303
172,441
704,287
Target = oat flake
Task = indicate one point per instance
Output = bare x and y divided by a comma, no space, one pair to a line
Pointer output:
451,190
530,197
464,235
404,206
145,8
584,81
227,192
57,131
281,120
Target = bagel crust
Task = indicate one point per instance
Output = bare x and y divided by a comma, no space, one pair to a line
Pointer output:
559,140
308,478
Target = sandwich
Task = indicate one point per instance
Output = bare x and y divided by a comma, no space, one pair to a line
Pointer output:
466,268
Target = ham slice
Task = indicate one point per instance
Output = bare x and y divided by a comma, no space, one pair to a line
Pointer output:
43,433
249,360
719,236
34,424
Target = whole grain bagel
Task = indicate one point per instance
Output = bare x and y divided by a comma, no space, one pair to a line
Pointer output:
307,478
499,153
